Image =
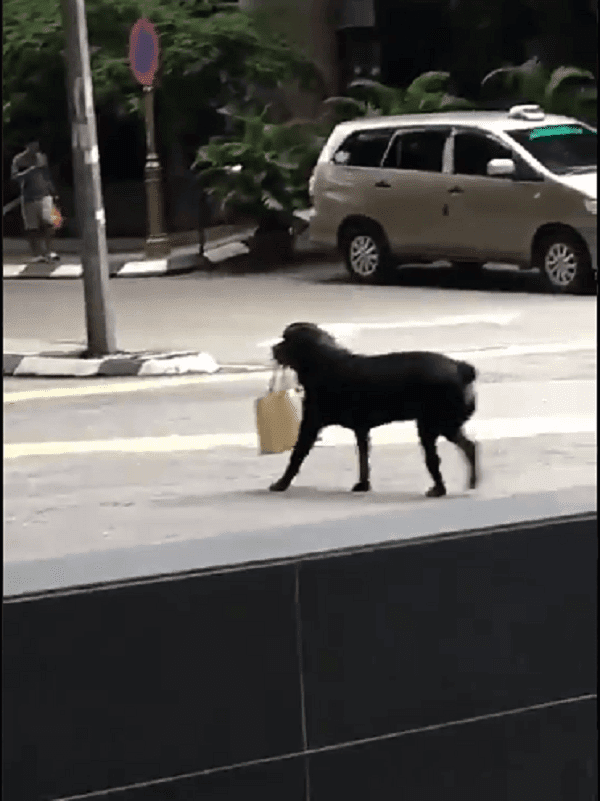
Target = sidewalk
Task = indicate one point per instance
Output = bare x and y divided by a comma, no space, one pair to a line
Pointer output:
15,247
126,256
66,359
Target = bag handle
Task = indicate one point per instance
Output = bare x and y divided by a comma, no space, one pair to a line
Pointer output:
279,368
273,380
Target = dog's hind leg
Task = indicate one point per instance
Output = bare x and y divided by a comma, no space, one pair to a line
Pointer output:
362,440
307,436
428,439
469,448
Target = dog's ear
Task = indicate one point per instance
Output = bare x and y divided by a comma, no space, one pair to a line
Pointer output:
295,329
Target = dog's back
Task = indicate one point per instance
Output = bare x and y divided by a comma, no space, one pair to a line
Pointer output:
375,390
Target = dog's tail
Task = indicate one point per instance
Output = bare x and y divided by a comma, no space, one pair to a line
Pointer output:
468,374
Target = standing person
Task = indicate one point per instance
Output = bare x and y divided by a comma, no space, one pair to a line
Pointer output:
30,169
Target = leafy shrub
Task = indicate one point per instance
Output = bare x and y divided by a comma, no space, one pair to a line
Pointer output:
262,170
566,90
367,98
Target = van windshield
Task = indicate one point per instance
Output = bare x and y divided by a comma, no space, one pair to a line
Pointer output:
562,149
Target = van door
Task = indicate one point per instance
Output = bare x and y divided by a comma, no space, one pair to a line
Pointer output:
411,191
345,184
492,218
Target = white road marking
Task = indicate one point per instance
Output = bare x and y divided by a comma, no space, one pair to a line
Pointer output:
526,350
394,434
68,271
133,268
132,385
199,362
10,270
40,366
351,329
225,251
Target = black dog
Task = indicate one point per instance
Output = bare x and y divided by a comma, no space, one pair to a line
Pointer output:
362,392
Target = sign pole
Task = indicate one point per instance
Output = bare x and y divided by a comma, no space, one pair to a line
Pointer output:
157,242
99,313
144,50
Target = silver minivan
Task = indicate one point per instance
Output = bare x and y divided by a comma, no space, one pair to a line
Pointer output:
470,187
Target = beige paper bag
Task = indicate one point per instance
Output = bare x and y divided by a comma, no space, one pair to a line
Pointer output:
278,417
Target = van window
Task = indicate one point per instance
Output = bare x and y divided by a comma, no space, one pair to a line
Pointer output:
417,150
473,151
364,148
562,149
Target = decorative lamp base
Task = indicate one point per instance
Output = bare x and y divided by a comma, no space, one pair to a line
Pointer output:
157,247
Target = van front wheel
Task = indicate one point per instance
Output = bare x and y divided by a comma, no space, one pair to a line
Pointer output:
564,264
366,255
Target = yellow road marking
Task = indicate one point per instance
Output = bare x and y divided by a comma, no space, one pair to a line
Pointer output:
394,434
127,386
131,385
165,444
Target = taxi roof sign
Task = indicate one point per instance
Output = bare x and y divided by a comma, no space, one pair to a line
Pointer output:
144,49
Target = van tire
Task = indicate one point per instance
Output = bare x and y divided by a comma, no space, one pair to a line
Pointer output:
366,254
564,263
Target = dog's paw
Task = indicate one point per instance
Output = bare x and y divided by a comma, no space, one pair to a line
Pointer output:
436,491
279,486
362,486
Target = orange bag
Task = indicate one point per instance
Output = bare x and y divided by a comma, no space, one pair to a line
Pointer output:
56,217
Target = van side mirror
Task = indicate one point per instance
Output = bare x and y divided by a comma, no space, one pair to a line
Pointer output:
500,167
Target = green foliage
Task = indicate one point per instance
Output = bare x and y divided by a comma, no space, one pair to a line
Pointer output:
572,91
566,90
207,59
274,162
31,44
367,98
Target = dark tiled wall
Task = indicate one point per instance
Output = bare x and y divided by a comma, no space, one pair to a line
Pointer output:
404,638
108,688
431,650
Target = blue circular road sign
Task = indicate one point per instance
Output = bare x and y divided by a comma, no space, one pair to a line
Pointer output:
143,51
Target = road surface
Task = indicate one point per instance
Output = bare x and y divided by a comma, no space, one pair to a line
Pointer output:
104,464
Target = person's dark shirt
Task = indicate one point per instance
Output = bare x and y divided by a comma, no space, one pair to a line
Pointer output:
36,183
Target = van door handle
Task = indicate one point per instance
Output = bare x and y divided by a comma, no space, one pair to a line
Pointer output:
456,190
383,184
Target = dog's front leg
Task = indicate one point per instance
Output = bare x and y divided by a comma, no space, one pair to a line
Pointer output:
362,440
309,430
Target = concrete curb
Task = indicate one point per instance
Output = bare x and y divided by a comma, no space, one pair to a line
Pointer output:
75,365
186,261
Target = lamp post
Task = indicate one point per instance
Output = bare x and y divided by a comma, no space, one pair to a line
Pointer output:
157,242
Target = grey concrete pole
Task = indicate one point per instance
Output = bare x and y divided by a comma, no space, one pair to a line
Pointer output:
99,313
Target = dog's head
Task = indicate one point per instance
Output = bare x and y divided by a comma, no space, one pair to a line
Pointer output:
300,344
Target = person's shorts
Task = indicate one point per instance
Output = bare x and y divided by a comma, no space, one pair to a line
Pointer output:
37,213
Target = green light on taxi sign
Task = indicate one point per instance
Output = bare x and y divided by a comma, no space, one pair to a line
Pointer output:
555,130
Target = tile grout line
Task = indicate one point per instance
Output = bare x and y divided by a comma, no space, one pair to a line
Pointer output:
340,746
300,655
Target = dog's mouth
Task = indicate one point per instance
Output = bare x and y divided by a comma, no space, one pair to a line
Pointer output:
279,354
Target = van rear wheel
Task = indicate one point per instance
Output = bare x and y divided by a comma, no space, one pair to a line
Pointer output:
366,254
564,264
